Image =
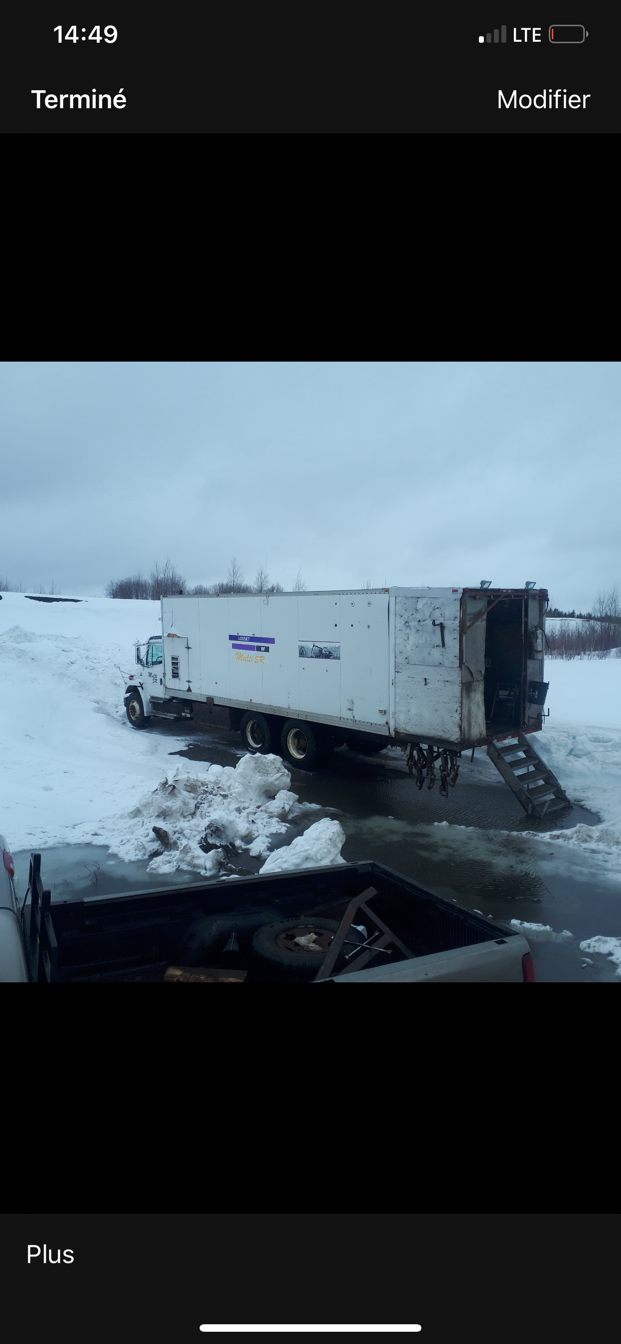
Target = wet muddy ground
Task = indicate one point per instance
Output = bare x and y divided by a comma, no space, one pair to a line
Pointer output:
386,818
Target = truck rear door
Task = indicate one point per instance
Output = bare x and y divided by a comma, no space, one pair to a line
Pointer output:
427,672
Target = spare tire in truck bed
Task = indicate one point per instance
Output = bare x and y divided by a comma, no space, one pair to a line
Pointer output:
287,946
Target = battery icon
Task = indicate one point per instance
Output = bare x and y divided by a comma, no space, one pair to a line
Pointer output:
567,32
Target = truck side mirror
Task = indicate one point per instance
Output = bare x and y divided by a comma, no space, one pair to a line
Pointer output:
138,658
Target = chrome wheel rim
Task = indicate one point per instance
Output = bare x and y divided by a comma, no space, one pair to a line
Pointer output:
297,744
255,736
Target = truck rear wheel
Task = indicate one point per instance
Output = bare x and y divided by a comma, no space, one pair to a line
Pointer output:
258,735
135,712
304,744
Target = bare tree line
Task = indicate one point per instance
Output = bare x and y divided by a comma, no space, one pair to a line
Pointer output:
590,636
10,586
166,581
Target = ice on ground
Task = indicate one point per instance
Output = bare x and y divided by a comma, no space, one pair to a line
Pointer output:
610,947
586,837
320,844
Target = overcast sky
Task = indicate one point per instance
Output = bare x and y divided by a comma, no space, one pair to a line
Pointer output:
397,473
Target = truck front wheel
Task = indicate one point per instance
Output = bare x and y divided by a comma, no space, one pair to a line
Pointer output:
304,745
135,712
258,735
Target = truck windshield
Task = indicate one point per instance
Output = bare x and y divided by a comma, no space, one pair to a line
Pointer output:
154,654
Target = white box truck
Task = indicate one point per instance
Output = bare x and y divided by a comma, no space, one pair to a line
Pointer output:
440,669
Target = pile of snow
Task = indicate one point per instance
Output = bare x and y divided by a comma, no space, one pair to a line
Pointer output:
199,822
610,947
320,844
544,932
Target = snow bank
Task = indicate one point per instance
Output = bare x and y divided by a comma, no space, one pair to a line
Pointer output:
69,755
200,822
197,816
543,932
320,844
584,691
581,741
63,671
587,761
610,947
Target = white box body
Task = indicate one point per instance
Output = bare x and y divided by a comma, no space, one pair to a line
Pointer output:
404,663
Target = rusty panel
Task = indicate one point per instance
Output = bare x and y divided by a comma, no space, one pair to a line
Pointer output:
427,671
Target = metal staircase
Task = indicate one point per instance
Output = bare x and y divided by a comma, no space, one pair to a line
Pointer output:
533,783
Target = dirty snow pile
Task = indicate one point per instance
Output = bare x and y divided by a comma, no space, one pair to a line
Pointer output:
202,822
610,947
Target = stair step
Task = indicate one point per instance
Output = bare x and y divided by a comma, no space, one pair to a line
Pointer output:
521,766
546,790
531,776
160,714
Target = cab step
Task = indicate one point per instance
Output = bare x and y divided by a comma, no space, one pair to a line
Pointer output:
521,766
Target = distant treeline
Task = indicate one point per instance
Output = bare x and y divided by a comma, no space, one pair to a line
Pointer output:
580,615
599,631
166,581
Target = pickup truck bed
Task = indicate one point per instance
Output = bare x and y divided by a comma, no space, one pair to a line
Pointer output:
161,935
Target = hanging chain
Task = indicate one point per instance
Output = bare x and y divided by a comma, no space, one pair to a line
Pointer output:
424,763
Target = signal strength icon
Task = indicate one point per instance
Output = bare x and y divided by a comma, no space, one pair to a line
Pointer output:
501,38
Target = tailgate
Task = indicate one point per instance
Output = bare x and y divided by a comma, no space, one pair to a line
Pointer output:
495,960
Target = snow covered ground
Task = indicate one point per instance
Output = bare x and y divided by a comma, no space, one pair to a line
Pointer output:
72,770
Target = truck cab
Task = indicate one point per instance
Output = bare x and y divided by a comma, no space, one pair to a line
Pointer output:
148,681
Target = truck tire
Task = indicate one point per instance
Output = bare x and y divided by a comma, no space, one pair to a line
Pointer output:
258,735
304,745
206,938
365,744
275,946
135,711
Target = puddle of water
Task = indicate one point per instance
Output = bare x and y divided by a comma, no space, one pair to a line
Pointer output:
73,872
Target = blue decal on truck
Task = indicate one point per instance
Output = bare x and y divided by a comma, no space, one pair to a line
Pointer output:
248,639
